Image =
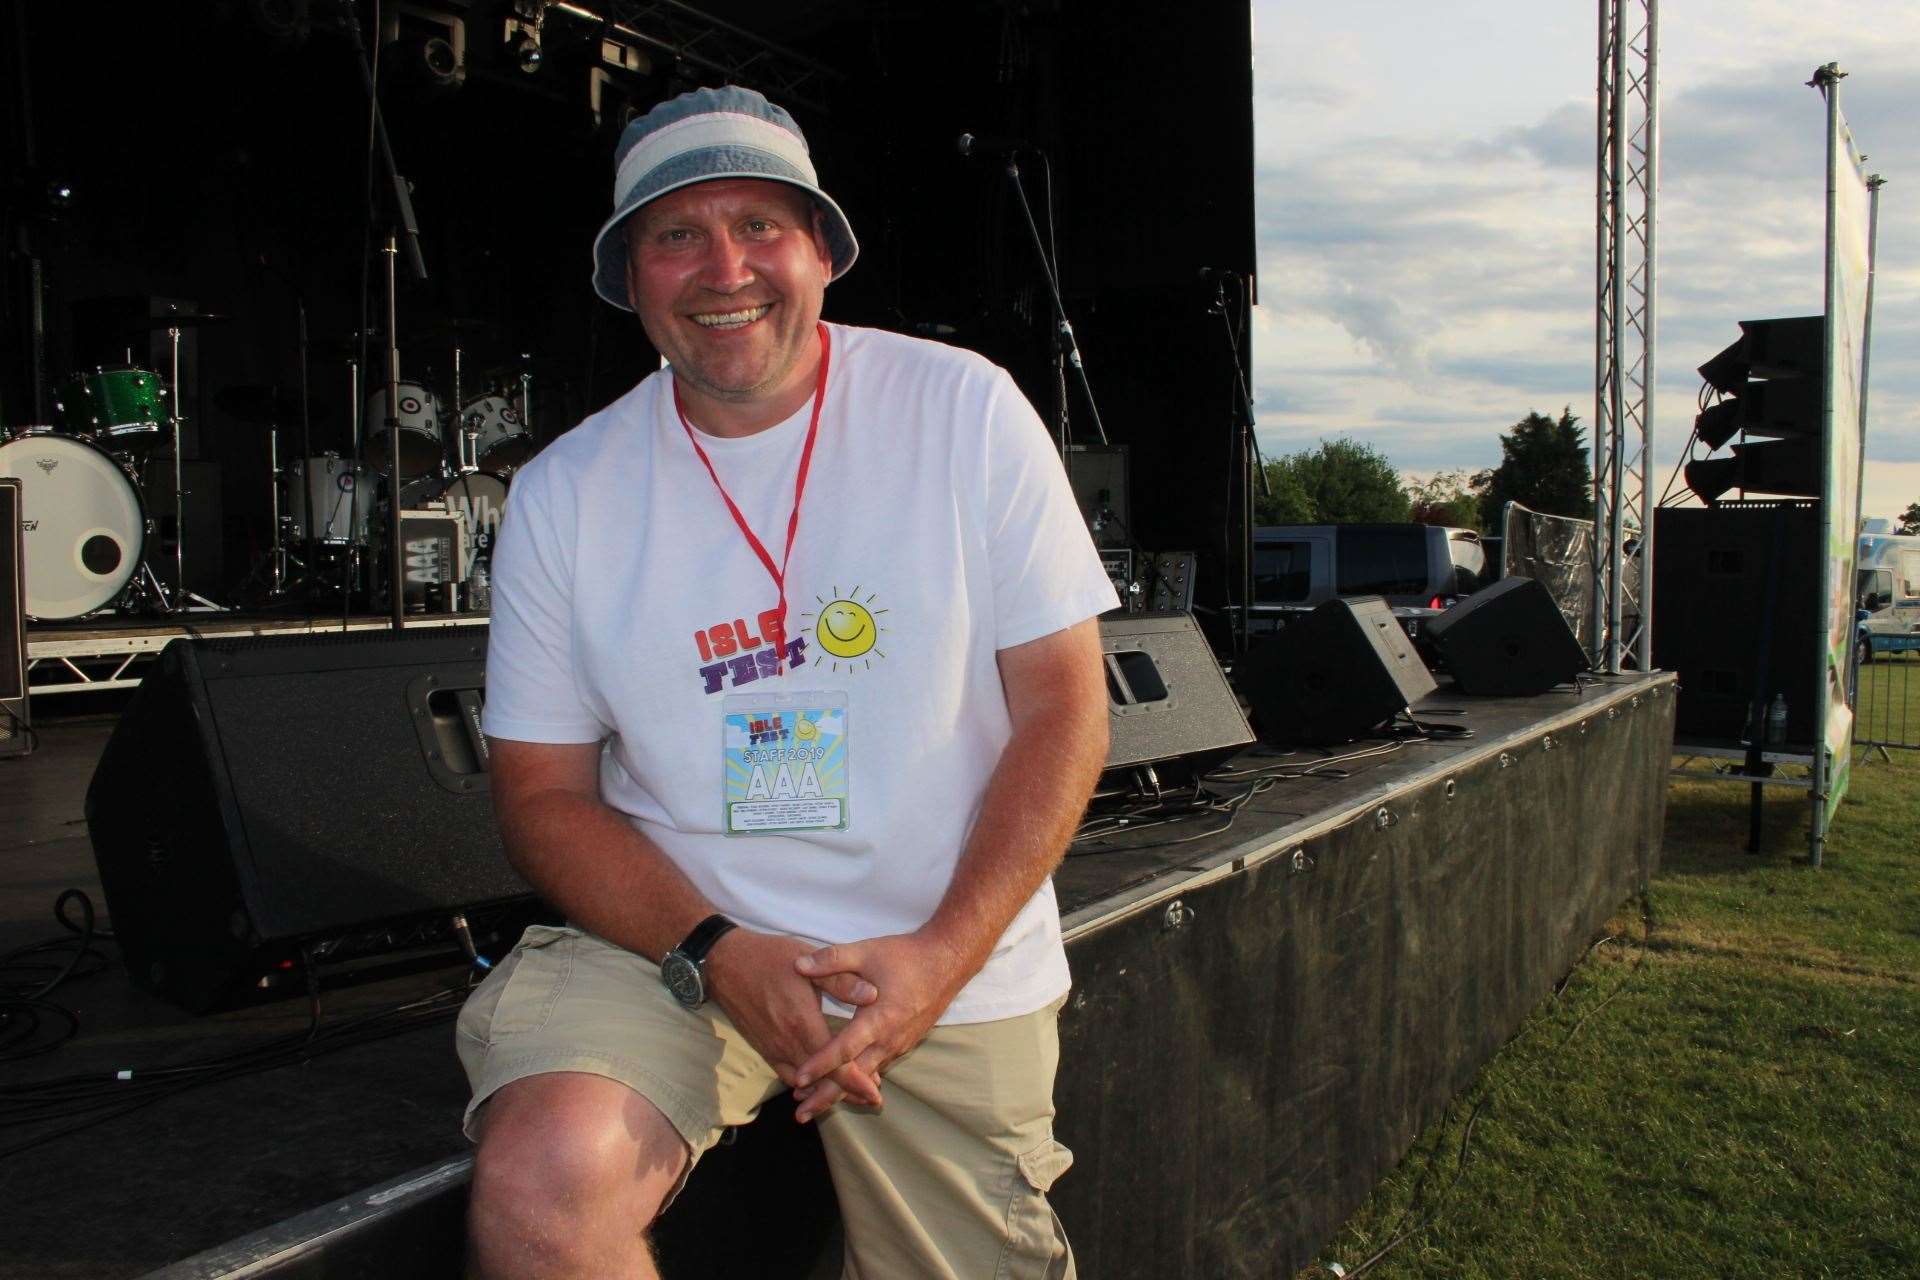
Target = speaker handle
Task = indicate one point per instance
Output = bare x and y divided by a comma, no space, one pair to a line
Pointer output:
446,707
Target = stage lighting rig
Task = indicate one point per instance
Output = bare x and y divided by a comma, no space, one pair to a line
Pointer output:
425,48
523,34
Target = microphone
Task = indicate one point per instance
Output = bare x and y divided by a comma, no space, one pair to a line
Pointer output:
977,144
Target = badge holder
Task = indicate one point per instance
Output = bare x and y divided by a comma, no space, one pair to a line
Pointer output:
785,766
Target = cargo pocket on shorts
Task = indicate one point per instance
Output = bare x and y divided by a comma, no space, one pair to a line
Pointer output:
519,996
1036,1244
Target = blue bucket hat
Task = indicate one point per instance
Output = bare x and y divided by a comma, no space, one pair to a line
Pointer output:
729,132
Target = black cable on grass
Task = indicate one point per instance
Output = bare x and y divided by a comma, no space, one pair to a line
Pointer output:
1459,1171
1396,1236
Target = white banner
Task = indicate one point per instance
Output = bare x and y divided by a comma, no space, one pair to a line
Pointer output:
1848,212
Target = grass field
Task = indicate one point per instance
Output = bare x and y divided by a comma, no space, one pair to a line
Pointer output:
1735,1093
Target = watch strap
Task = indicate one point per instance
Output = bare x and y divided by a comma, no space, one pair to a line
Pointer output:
709,931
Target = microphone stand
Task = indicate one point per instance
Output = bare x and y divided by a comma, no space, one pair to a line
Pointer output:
1248,453
1068,345
403,223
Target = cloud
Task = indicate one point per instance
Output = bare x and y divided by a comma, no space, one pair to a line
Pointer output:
1424,283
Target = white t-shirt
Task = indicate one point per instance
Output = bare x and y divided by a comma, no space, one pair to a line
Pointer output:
937,527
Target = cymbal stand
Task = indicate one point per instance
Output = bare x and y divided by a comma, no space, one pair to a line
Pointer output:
183,599
526,390
350,563
402,221
396,552
465,434
279,553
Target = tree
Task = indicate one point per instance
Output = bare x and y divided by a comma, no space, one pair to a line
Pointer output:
1910,519
1341,482
1543,465
1446,499
1285,500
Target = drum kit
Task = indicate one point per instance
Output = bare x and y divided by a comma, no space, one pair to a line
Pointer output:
89,537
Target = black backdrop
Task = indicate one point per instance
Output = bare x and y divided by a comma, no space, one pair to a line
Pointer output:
214,162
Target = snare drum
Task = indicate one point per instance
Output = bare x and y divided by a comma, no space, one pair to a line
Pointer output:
83,528
119,407
329,501
501,440
421,450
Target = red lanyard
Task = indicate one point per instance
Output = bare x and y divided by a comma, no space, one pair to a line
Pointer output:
778,575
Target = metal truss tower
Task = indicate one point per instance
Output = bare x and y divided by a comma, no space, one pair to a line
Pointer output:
1628,154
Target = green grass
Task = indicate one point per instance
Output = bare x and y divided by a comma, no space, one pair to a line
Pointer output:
1737,1095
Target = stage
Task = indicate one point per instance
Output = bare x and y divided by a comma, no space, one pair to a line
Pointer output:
108,651
1270,1003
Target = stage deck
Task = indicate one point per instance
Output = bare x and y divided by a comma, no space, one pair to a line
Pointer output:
204,1168
105,651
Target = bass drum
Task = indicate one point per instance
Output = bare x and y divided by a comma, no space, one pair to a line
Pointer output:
84,528
484,499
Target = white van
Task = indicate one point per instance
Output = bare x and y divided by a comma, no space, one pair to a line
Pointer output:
1420,569
1887,590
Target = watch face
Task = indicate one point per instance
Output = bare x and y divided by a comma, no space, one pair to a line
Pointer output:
682,977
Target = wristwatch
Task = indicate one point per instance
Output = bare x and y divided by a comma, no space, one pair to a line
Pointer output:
684,969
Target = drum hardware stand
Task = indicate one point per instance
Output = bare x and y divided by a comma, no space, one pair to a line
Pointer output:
403,221
457,401
183,599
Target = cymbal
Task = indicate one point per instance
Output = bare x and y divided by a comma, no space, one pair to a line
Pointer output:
259,404
184,320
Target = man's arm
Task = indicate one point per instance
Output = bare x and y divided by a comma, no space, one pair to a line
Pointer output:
588,860
1057,699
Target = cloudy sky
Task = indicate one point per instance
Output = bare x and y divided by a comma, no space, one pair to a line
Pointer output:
1425,204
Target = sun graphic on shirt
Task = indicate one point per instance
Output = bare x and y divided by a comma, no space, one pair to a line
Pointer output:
847,628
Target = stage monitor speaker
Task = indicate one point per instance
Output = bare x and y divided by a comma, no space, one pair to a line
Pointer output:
1333,674
1509,638
16,735
1168,697
264,802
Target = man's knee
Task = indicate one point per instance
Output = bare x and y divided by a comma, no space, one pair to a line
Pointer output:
566,1146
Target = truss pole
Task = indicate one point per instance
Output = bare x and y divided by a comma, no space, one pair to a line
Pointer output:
1627,140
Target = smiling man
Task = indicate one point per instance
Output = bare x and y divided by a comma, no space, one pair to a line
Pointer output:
795,697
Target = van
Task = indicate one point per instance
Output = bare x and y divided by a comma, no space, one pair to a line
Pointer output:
1887,591
1419,569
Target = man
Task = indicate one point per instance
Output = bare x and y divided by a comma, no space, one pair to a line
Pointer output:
795,697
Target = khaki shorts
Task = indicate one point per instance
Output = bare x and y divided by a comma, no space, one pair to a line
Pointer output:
948,1179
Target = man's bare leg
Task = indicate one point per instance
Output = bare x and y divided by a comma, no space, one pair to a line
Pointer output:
571,1171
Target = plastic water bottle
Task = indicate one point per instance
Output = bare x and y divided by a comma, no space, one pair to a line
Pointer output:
480,595
1777,720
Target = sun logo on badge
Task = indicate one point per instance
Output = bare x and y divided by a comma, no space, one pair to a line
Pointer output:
847,628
